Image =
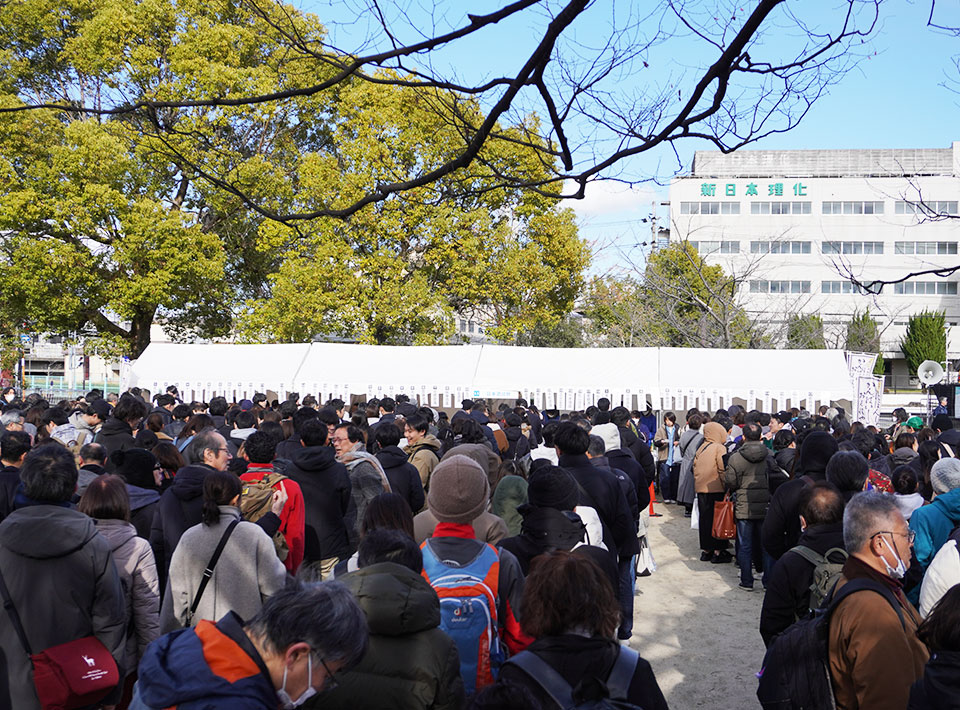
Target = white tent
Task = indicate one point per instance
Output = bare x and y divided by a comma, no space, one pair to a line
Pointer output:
765,379
674,378
233,371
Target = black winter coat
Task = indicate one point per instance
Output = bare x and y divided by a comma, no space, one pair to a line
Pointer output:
601,491
624,461
585,663
9,480
518,445
114,435
180,507
628,486
482,420
326,497
403,476
288,447
788,588
548,529
939,688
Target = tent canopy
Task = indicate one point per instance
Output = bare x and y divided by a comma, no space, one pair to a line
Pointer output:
674,378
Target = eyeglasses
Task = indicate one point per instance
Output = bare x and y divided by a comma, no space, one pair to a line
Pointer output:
330,682
911,535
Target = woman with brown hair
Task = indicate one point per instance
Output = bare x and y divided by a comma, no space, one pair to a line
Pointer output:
708,470
107,502
569,607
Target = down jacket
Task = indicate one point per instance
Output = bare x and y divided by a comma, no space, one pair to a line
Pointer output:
138,576
410,664
748,477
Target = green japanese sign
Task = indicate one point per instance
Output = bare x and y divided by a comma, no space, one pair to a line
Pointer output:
751,189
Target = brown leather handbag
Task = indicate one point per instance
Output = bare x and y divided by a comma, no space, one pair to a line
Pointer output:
724,525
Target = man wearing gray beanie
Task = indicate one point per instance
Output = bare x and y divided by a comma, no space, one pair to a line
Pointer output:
459,492
933,523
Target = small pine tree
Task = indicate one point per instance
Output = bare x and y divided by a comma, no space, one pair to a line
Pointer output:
925,339
805,332
863,335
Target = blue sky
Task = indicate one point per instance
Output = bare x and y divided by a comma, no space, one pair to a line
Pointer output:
894,98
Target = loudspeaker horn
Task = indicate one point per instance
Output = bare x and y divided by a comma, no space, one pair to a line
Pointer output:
930,372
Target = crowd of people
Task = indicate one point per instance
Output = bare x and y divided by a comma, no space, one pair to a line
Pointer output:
276,554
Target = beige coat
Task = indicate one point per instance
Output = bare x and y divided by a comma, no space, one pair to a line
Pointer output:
708,467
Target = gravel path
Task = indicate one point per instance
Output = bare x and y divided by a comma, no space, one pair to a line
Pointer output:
694,625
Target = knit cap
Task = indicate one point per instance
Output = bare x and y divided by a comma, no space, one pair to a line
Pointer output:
945,475
459,490
943,422
553,487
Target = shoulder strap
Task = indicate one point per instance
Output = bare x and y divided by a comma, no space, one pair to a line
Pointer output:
14,616
208,572
949,450
543,674
618,682
860,585
811,556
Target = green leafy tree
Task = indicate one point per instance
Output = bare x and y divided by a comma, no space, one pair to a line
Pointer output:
398,271
565,333
689,303
863,335
104,228
805,331
925,339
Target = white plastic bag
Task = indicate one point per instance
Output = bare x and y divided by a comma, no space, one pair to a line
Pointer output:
646,565
695,515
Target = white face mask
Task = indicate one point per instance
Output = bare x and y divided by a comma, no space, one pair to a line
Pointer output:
286,702
895,572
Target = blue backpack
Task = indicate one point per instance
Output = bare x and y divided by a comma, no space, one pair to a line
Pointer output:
468,611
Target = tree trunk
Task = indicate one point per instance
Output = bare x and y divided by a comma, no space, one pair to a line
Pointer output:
139,335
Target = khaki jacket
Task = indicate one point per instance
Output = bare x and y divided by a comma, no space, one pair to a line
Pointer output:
708,466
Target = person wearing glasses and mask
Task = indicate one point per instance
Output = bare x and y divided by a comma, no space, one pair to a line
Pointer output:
874,652
290,651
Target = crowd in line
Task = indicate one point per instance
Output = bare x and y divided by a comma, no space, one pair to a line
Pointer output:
380,554
277,554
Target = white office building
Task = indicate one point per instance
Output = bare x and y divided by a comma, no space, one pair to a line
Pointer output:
793,225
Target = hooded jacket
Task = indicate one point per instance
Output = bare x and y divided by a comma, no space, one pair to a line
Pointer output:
410,663
424,455
180,507
518,445
781,527
624,461
511,493
143,507
211,667
403,476
64,585
933,523
115,435
708,461
748,477
326,498
138,576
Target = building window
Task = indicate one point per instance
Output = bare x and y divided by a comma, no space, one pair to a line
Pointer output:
780,247
852,207
781,208
765,286
830,247
924,247
927,208
473,326
709,208
926,288
716,247
839,287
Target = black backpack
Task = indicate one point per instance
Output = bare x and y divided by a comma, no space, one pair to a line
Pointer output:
796,671
560,691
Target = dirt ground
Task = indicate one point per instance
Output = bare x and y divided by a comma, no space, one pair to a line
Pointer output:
694,625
